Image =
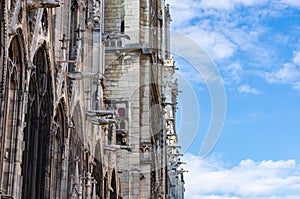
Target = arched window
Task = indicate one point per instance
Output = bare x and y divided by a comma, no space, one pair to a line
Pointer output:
13,106
36,157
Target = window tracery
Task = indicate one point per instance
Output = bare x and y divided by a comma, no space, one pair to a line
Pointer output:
13,106
36,165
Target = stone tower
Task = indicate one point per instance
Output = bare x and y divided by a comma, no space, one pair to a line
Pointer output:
140,86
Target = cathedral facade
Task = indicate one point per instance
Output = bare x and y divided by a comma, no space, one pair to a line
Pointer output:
87,100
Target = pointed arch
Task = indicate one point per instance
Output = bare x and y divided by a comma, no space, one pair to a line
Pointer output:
12,115
36,157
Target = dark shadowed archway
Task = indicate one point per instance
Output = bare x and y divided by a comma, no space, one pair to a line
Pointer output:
36,158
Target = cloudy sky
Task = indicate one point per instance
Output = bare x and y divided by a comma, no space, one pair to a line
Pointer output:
255,47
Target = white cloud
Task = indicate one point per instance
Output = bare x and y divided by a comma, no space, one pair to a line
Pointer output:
250,2
247,89
236,71
292,3
209,178
229,4
183,11
215,28
235,31
200,66
287,74
216,4
296,86
213,42
232,73
189,72
296,58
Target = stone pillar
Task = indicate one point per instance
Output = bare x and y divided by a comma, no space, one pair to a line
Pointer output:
88,185
80,188
65,166
94,183
76,188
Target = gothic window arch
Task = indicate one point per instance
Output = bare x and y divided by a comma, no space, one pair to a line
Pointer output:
36,157
13,106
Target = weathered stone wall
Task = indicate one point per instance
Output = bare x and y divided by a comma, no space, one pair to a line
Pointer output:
50,146
134,72
122,87
80,119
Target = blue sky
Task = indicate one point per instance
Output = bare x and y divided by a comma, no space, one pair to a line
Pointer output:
255,46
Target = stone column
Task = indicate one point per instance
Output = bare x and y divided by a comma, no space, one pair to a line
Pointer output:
88,185
94,183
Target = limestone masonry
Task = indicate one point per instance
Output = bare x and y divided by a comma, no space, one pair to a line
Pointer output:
88,101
